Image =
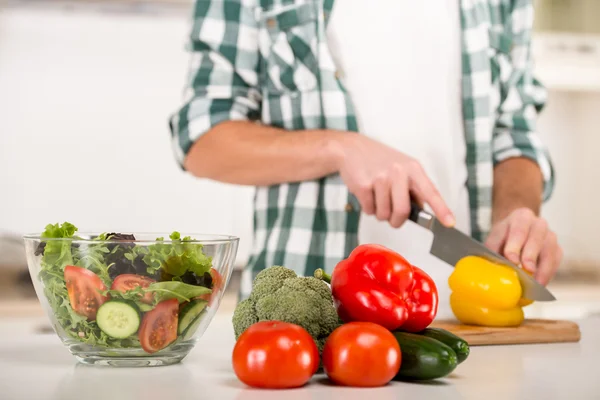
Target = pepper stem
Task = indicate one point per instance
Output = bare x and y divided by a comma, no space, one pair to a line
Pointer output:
322,275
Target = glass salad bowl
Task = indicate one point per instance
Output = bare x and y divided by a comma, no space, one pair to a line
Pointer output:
129,299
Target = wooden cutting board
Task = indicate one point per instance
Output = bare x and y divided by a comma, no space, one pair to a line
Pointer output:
531,331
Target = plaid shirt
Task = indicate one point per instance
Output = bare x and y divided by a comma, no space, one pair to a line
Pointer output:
268,61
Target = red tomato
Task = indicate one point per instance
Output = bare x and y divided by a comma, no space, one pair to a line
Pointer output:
126,282
217,282
361,354
275,355
422,303
159,326
84,288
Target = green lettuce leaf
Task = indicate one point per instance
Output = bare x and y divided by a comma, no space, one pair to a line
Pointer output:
175,290
57,253
177,257
133,295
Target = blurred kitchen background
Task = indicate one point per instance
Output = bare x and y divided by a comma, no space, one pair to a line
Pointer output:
86,88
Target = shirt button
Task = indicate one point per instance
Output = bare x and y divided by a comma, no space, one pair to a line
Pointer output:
338,74
254,96
349,207
271,22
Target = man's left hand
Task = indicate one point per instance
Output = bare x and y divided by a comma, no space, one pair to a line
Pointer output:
525,239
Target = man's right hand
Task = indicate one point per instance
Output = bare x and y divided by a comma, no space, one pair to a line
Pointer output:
383,180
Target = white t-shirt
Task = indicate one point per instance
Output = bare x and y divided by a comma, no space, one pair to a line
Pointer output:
401,63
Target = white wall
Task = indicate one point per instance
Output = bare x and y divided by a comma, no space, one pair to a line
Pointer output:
570,126
84,101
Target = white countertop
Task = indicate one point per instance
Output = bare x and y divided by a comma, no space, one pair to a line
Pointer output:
37,366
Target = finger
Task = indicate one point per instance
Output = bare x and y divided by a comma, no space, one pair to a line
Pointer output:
400,201
427,191
549,260
518,231
365,196
497,237
383,199
534,244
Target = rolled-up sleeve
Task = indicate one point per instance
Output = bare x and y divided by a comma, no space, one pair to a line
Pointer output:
222,82
515,133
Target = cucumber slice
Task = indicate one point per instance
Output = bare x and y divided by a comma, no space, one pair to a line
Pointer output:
189,332
189,313
118,319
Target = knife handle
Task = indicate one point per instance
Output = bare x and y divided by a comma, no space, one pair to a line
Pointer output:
414,212
420,216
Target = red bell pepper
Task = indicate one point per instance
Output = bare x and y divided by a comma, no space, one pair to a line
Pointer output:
376,284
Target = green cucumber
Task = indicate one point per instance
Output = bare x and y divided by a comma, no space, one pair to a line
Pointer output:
191,330
456,343
189,313
119,319
424,358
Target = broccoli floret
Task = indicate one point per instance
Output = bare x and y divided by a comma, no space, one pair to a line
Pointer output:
244,316
278,294
269,280
277,273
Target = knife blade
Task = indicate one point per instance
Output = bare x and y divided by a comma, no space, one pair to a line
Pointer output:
450,245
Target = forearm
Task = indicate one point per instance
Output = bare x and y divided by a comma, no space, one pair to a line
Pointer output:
245,153
518,183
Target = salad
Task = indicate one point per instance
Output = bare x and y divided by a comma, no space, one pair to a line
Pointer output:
126,295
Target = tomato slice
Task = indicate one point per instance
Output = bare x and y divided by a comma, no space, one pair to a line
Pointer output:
159,326
217,282
84,288
126,282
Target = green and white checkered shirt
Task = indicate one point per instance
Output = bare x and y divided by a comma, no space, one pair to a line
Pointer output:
268,60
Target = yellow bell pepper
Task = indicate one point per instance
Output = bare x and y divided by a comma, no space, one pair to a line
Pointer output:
485,293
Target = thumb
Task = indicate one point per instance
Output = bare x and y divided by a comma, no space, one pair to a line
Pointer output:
497,237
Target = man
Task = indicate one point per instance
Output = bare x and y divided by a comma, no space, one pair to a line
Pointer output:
340,111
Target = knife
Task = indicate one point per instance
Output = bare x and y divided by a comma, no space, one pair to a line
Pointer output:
450,245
